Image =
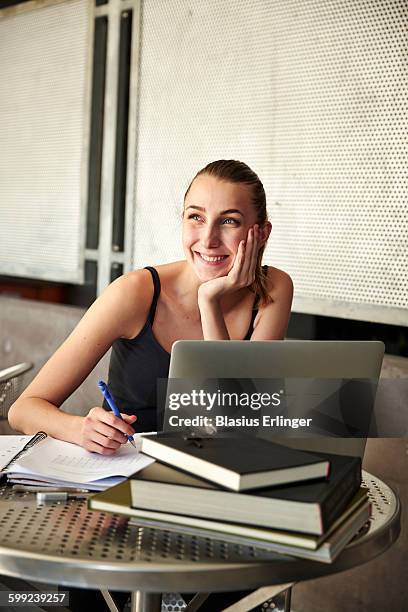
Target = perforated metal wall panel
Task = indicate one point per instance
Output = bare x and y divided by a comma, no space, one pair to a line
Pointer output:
43,117
312,95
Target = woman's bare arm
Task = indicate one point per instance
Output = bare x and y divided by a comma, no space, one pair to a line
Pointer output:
120,312
212,320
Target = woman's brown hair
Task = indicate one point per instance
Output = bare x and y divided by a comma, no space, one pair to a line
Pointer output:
234,171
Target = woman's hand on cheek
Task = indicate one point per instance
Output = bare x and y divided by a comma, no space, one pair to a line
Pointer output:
242,273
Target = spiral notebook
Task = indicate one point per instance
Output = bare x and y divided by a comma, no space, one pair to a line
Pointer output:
14,447
45,461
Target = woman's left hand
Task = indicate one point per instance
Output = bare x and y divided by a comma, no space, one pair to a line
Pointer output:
242,273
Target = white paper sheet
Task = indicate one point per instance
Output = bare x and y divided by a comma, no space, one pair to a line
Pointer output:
51,483
57,460
10,446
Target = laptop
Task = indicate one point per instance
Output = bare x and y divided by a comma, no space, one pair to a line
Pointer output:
285,359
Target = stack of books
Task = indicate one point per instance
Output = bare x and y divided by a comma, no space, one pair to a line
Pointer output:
245,491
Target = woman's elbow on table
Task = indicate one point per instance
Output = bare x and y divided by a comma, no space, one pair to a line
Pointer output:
17,415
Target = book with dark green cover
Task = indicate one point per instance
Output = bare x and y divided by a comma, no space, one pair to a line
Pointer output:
233,462
308,507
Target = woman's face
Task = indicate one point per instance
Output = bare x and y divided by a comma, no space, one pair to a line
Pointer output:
217,216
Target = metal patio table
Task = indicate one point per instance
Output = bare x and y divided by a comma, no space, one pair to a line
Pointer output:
66,544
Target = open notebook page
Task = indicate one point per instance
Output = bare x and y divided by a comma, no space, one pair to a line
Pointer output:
68,462
10,446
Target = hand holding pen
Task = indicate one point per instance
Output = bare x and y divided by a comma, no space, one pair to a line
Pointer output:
102,432
111,403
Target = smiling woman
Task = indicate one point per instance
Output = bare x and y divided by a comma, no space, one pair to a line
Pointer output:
219,292
225,229
240,197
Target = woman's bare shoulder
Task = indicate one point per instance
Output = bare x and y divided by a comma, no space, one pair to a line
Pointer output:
134,292
279,283
272,320
137,283
134,280
169,270
130,296
169,275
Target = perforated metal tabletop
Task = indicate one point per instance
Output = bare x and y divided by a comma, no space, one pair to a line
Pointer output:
66,544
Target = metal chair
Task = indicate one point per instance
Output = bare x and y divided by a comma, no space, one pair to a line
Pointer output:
11,380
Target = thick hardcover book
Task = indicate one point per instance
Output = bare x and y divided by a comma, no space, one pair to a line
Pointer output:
236,463
309,507
323,548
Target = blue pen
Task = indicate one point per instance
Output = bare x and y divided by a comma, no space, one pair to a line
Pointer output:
111,403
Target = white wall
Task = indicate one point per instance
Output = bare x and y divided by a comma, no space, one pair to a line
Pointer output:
312,96
44,115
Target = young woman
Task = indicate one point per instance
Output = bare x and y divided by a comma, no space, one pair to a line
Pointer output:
219,292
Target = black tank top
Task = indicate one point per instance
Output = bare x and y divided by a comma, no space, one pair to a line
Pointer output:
136,364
